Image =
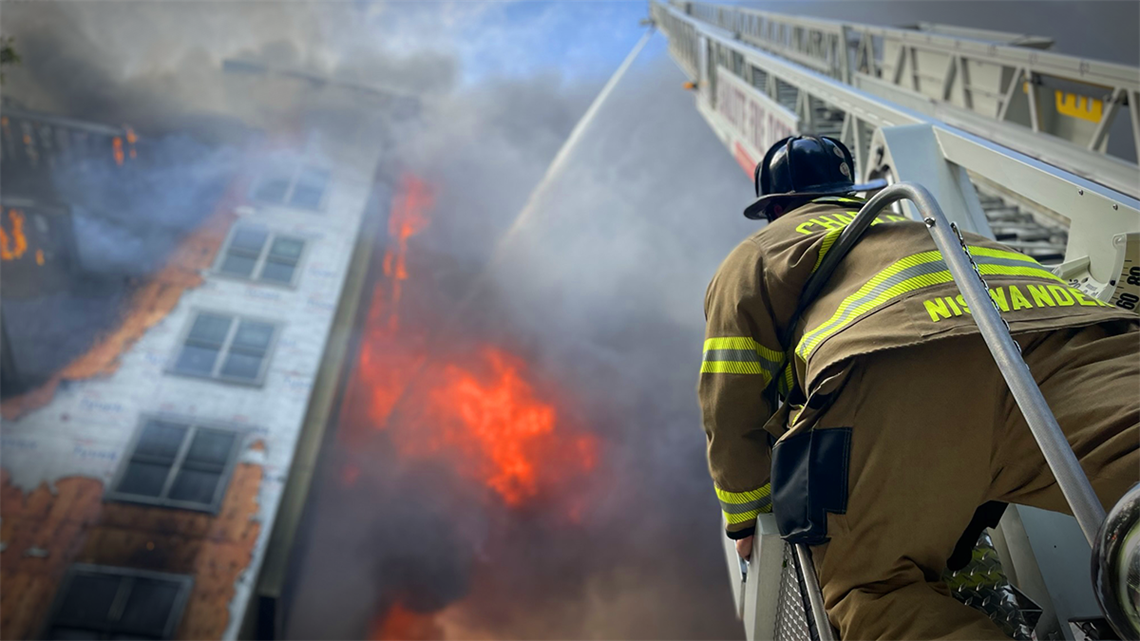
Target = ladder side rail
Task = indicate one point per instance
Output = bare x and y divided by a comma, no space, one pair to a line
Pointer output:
1096,213
814,593
1106,85
1109,171
1067,162
1049,63
1074,485
682,38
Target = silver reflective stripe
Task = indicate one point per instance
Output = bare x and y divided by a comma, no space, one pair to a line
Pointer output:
740,355
732,355
741,508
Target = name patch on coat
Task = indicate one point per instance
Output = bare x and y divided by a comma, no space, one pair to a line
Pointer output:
1012,298
828,222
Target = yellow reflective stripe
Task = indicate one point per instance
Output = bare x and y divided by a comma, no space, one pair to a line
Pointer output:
735,367
914,272
787,380
737,498
828,240
1032,272
743,342
812,338
741,355
1001,253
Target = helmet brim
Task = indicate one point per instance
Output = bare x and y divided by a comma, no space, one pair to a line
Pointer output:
758,210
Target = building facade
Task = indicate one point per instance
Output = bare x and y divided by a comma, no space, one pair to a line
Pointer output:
139,497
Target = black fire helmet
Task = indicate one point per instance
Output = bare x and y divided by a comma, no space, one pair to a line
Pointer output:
798,169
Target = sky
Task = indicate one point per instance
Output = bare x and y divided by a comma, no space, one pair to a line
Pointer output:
581,40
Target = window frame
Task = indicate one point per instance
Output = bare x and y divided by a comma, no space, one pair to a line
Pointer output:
224,350
294,175
240,434
184,582
262,258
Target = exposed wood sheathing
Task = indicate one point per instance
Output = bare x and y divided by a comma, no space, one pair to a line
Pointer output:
74,525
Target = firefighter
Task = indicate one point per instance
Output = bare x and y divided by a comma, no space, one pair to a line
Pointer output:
876,422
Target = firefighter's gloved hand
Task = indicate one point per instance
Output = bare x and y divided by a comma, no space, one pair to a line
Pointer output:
744,547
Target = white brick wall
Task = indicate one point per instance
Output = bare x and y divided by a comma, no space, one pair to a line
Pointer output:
87,426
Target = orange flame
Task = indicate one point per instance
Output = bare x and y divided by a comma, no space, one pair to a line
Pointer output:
402,624
131,139
385,358
480,411
13,247
149,304
406,219
505,433
117,150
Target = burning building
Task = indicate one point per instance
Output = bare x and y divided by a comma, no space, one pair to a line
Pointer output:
152,476
523,466
39,249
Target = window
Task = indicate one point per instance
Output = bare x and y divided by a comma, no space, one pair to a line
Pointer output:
227,348
177,463
100,602
259,255
300,187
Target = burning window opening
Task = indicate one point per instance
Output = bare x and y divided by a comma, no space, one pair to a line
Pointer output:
150,303
13,244
408,218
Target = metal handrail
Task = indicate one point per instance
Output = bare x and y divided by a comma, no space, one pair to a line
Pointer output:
1062,461
815,595
1114,550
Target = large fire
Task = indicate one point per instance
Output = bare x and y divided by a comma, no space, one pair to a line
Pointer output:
500,422
477,409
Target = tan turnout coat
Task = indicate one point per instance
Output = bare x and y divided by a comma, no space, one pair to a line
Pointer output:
892,291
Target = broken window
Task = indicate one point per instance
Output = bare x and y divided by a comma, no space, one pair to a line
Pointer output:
257,254
101,602
178,464
299,187
226,347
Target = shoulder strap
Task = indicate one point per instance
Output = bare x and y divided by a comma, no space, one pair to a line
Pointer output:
847,240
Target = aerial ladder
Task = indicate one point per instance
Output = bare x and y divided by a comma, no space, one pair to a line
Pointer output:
1030,147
